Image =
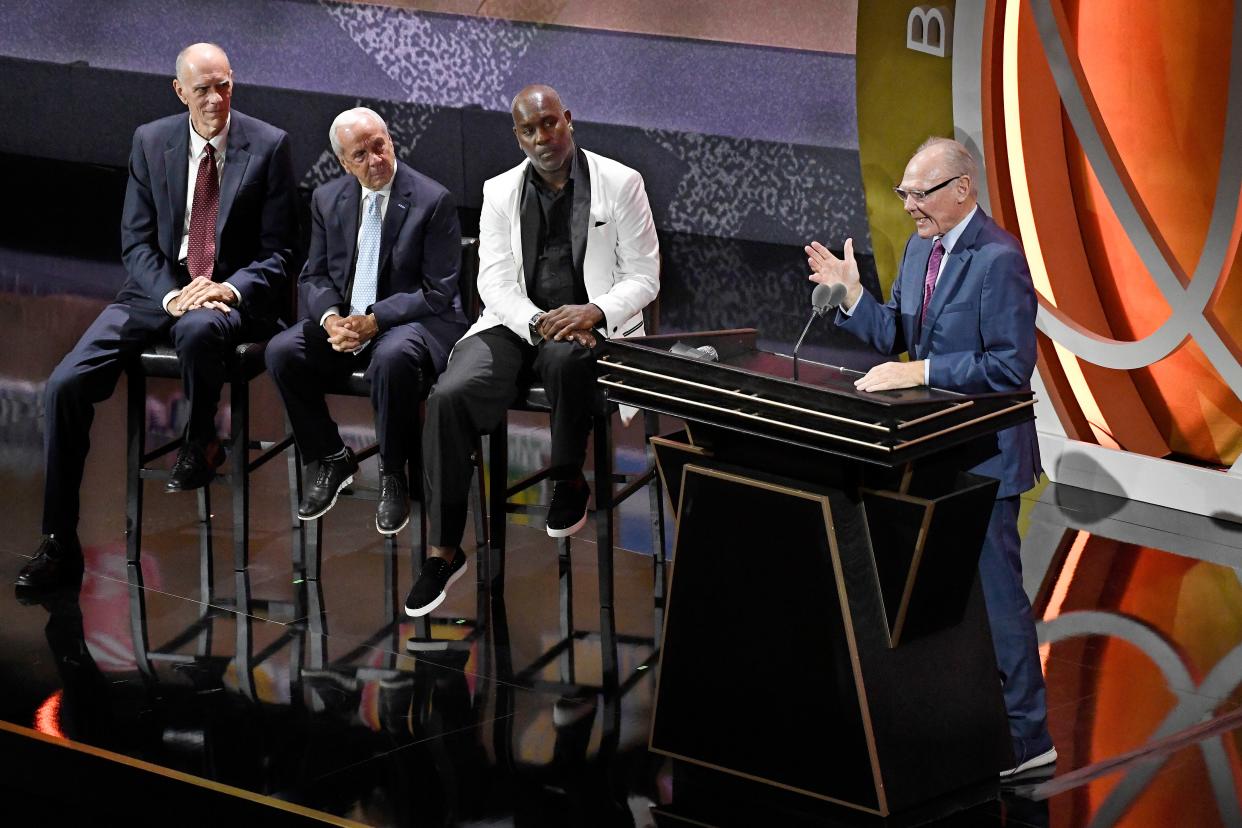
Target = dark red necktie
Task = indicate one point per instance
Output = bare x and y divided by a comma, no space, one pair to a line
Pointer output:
929,281
201,256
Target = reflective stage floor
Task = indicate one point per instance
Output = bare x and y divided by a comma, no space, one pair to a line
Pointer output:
177,693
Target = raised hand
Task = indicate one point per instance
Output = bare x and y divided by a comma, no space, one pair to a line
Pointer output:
827,269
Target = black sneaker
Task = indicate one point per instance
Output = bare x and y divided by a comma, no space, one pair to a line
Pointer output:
430,589
57,562
321,494
568,511
393,512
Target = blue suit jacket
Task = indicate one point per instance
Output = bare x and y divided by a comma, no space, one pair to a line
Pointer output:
420,256
256,226
979,334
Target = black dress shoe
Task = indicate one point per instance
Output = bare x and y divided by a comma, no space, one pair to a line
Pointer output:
321,494
196,466
56,563
393,512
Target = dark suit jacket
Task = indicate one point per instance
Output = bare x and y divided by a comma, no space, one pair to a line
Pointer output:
256,227
420,256
979,334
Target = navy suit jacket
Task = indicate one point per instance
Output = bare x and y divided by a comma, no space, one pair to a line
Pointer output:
420,258
256,226
979,334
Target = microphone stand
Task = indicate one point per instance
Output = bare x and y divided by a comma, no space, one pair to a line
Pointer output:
815,314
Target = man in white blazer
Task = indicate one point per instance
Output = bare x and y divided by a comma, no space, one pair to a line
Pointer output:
567,254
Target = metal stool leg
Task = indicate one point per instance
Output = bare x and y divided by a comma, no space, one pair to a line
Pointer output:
497,513
135,448
239,476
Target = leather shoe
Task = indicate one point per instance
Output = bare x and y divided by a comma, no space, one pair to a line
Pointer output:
393,512
196,466
57,562
321,494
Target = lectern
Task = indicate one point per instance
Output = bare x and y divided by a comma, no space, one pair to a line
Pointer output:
825,632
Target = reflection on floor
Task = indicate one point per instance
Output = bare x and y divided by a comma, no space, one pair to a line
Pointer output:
307,694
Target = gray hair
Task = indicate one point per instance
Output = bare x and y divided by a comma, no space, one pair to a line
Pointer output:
347,116
957,159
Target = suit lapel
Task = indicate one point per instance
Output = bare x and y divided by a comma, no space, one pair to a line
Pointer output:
176,170
346,218
528,212
957,260
946,286
402,196
581,210
236,159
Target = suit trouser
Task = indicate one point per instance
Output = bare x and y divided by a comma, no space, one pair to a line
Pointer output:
1013,629
88,375
482,380
303,365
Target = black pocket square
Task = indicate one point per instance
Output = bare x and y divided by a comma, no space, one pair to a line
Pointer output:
600,223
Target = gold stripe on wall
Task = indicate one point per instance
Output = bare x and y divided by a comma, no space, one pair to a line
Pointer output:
903,97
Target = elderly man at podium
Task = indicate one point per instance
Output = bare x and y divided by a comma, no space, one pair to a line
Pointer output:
963,308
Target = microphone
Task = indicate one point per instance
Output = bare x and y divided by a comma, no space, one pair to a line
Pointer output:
823,299
827,297
704,352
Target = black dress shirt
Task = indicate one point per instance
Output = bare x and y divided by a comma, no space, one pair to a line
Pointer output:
555,280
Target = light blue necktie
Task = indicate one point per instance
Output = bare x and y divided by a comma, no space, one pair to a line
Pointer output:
366,272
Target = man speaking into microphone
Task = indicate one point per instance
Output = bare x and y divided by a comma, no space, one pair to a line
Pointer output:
963,308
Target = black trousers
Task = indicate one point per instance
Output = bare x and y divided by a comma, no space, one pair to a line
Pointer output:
304,366
88,374
471,397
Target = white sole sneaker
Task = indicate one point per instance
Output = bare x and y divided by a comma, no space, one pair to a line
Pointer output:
328,508
419,612
1046,758
394,531
566,532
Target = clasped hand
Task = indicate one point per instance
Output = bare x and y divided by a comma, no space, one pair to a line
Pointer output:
202,293
571,322
349,333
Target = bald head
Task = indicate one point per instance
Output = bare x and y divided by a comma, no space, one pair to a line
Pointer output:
204,83
940,188
360,139
545,132
536,95
951,158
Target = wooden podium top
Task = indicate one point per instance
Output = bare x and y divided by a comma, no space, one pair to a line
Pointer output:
753,391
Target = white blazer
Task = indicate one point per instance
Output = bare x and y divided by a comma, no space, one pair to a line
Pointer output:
620,268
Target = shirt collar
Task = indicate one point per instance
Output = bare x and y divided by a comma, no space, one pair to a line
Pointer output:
532,175
220,142
385,191
949,239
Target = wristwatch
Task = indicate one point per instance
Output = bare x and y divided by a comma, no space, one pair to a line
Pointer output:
533,324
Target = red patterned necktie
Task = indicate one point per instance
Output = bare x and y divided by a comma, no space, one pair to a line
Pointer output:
929,282
201,256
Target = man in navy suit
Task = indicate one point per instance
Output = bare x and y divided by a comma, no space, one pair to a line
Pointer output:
379,292
207,232
963,308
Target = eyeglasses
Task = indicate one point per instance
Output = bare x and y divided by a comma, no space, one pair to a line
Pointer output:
919,195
